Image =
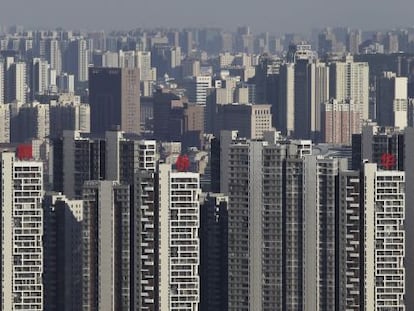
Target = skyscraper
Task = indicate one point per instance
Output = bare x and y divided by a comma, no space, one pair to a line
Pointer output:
320,214
16,82
39,77
62,242
21,234
31,122
264,185
392,100
178,239
311,89
197,89
77,60
350,80
53,55
114,99
339,121
384,239
108,247
2,82
213,254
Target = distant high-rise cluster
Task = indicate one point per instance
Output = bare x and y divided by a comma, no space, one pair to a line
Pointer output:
200,169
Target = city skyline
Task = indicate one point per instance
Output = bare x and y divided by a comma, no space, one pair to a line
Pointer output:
278,17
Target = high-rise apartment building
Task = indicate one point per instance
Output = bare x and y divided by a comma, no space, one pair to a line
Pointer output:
2,83
311,89
319,222
340,120
372,240
197,89
284,110
39,77
77,60
4,123
384,198
353,40
53,55
264,219
108,248
143,62
68,116
375,143
32,121
63,252
178,239
66,83
303,88
350,80
78,157
392,100
350,242
114,99
16,87
214,252
22,251
392,149
147,261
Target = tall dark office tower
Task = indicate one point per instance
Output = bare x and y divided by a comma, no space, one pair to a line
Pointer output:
213,252
114,99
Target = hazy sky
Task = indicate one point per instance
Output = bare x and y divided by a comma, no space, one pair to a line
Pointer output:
271,15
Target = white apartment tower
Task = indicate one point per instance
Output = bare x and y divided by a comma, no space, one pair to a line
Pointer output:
54,55
384,238
371,240
197,89
21,234
179,243
350,80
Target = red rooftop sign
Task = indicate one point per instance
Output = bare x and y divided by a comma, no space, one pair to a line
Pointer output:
24,152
